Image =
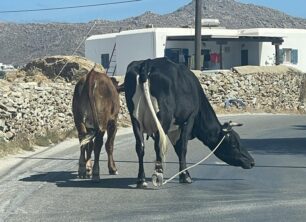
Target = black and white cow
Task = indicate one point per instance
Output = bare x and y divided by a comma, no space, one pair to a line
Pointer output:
164,98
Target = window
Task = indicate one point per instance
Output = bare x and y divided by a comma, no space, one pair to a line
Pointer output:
177,55
105,60
289,55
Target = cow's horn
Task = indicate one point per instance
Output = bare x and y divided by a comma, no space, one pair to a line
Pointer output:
226,127
235,124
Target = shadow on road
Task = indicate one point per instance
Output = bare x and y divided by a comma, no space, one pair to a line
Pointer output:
277,146
70,179
269,146
300,127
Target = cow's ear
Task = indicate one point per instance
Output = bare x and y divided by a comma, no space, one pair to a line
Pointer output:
114,80
120,88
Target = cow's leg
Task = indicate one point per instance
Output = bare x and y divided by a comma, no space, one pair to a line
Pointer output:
82,162
157,176
82,131
97,150
158,162
165,118
109,146
88,159
141,180
85,165
181,150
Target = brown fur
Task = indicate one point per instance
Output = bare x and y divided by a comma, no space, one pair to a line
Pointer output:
95,109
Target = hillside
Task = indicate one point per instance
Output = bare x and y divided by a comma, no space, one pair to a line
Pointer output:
21,43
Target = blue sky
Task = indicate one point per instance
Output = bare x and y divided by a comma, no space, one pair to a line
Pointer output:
117,12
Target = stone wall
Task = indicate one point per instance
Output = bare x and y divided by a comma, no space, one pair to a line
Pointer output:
35,108
277,92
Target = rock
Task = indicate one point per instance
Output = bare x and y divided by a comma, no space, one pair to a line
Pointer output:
9,135
2,125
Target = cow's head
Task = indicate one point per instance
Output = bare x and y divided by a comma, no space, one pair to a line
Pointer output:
231,151
120,88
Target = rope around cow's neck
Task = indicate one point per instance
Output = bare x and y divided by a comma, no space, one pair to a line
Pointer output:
194,165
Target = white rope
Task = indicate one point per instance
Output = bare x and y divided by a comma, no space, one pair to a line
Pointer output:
76,49
194,165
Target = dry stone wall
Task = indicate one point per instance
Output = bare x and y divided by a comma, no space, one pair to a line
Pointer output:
281,92
33,108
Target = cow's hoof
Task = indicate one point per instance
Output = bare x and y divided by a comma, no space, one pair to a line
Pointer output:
96,178
82,173
157,179
141,185
113,172
185,178
88,173
82,176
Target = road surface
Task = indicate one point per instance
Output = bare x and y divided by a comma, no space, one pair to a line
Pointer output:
43,186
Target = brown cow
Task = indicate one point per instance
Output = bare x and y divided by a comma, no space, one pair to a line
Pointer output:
95,110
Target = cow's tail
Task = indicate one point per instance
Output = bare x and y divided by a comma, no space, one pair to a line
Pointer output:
162,135
87,139
90,87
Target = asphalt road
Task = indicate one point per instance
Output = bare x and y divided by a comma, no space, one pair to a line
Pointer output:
43,186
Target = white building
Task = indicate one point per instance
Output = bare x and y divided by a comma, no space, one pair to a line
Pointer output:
221,48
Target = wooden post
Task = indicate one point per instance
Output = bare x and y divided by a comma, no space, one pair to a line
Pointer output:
221,43
198,39
221,56
277,62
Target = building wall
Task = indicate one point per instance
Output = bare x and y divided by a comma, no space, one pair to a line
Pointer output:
96,47
267,55
231,52
296,41
253,49
133,47
151,43
293,41
160,41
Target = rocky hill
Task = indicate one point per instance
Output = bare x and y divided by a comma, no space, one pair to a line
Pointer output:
21,43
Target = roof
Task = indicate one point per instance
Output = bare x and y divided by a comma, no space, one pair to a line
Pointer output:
254,34
224,38
102,36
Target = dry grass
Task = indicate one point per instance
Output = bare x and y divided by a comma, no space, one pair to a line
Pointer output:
54,137
23,142
20,142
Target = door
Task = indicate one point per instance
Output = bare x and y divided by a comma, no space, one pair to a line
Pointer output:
244,57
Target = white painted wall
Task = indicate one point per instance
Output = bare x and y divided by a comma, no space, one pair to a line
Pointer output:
267,55
232,57
151,43
160,43
293,38
297,41
97,45
133,46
